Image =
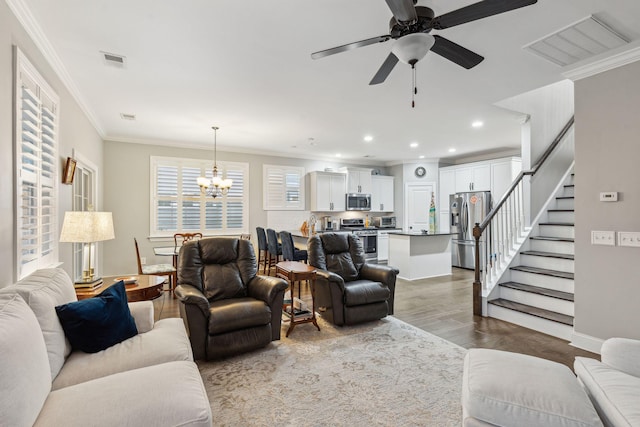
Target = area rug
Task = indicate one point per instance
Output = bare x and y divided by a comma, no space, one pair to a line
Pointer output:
383,373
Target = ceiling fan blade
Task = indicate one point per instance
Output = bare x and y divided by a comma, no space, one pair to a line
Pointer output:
349,46
456,53
477,11
385,69
403,10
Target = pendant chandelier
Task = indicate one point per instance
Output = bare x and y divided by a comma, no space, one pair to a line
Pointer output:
217,186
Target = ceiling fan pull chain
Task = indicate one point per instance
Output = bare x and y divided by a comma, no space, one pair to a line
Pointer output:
415,88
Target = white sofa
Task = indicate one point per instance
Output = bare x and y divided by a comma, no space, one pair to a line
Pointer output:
613,385
149,379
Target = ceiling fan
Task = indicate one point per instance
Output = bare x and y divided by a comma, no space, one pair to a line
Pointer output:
410,27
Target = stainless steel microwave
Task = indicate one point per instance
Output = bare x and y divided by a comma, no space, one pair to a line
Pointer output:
358,202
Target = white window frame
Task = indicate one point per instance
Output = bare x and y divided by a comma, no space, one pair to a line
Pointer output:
37,165
85,197
205,167
275,188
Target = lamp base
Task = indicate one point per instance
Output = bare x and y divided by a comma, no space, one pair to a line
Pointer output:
94,283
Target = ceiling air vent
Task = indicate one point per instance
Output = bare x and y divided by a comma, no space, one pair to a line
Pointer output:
113,59
584,39
125,116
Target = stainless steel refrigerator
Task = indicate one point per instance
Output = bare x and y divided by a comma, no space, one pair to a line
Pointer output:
465,210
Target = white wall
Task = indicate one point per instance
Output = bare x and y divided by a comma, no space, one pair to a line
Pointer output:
75,132
607,295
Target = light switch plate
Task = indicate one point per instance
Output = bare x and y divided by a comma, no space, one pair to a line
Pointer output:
629,238
606,238
609,196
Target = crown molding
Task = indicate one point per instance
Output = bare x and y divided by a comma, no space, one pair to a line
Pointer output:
33,29
604,62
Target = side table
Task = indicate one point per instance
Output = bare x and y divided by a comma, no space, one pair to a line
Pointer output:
294,271
145,288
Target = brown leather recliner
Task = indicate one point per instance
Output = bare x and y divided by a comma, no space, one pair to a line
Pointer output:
351,290
227,308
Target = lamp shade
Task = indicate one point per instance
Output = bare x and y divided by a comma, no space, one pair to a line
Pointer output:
412,47
87,227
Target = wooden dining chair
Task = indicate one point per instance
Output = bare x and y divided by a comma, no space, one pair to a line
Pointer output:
185,237
157,269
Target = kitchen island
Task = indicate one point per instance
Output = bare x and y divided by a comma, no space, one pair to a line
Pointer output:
420,255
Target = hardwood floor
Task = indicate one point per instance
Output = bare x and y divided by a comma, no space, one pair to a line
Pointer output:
443,307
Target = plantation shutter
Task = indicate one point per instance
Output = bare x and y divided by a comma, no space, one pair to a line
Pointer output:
283,188
36,169
178,205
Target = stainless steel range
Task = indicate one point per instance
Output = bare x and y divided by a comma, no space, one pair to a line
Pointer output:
368,235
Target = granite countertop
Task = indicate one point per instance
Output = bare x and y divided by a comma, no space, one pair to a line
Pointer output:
419,233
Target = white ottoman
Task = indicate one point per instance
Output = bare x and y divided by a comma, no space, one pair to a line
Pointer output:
510,389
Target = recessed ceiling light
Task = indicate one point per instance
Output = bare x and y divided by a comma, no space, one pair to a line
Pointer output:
477,124
338,155
452,150
368,138
421,157
413,145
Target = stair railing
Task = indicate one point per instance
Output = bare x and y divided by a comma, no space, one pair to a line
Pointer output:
503,226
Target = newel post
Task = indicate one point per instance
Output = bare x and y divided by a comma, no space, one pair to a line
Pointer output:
477,285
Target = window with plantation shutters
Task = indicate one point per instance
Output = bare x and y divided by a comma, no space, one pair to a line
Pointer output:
283,188
177,204
37,167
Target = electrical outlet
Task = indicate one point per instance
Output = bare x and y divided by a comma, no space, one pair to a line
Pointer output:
607,238
629,238
143,260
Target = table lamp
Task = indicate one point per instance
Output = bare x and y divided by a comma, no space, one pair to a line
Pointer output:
87,227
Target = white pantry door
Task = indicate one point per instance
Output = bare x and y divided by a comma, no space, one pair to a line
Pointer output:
417,202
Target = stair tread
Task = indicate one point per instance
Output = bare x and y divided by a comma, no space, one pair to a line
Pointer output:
548,254
564,224
543,271
534,311
554,239
539,290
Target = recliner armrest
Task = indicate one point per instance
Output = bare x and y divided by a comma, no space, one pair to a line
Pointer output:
330,277
378,273
622,354
188,294
265,288
142,313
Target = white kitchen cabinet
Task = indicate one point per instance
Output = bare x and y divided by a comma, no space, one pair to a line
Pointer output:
381,193
473,178
383,244
447,187
358,180
503,173
327,191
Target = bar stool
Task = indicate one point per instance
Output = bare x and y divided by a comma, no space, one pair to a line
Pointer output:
263,250
274,249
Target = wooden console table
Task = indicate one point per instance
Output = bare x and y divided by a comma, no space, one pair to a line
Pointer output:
145,288
295,272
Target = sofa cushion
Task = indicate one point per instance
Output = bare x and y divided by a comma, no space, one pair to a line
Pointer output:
237,313
42,291
359,292
510,389
97,323
166,342
25,377
170,394
615,394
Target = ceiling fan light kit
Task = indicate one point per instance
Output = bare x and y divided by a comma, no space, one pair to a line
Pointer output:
412,47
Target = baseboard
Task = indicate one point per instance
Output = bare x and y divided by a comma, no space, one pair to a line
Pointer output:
586,342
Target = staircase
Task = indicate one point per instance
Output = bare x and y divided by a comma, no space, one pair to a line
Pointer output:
537,290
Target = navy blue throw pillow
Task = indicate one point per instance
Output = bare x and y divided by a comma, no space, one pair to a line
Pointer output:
93,324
